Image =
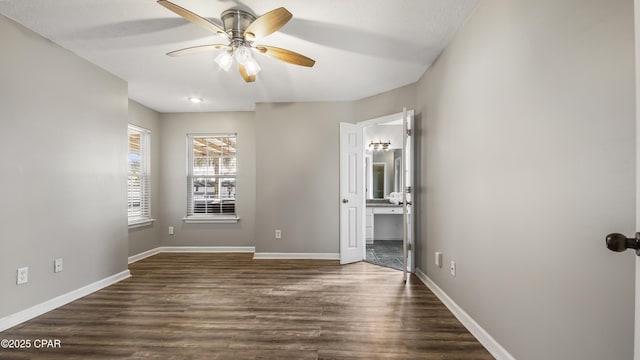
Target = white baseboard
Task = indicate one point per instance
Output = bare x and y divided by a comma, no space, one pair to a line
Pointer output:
301,256
474,328
37,310
207,249
233,249
192,249
143,255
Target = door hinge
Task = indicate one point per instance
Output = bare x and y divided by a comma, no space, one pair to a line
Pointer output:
408,190
409,246
408,132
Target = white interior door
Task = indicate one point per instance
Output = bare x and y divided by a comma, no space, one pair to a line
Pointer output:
352,203
407,193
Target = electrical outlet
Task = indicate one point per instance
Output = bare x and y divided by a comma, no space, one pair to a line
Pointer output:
170,230
452,268
57,265
438,259
22,276
278,234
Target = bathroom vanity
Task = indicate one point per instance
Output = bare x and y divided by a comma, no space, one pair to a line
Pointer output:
376,208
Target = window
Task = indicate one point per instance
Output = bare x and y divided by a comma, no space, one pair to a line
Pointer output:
138,177
211,178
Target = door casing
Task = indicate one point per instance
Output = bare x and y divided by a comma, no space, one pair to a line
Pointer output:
360,233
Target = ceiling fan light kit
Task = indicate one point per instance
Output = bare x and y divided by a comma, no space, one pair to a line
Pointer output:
224,60
241,29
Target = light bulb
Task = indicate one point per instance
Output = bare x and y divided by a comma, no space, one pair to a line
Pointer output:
242,54
224,59
252,67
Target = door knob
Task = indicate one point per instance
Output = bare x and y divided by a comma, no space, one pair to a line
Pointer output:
344,201
618,242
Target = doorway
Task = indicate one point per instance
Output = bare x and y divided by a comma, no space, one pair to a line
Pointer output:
378,227
383,239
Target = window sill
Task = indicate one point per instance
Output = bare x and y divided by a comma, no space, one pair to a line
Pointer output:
140,223
218,219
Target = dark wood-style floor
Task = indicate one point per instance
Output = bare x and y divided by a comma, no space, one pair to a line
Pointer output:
228,306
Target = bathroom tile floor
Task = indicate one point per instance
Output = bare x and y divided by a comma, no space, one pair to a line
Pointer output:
386,253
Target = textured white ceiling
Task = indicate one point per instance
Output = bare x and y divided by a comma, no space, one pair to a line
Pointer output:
361,47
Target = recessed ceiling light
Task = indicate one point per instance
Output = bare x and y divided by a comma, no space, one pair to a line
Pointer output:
195,100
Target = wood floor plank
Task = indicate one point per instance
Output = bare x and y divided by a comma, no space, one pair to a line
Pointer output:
229,306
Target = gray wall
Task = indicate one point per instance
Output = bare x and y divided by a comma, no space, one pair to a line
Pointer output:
173,194
297,176
529,161
63,156
146,238
636,4
390,102
288,163
526,138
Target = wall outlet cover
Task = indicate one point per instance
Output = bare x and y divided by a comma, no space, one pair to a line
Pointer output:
22,276
452,268
57,265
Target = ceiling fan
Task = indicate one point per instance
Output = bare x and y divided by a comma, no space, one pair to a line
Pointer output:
241,29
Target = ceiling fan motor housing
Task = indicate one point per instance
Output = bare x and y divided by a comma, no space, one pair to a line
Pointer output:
235,23
242,28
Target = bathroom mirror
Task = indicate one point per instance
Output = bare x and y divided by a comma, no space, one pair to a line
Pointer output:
383,165
379,183
383,173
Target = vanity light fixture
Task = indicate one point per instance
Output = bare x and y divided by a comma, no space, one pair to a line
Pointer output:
379,145
195,100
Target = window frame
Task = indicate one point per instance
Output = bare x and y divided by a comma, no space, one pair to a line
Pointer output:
191,215
144,218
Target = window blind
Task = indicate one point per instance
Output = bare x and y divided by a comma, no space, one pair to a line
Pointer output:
212,173
138,175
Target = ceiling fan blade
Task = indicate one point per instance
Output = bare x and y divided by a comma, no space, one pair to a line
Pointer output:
286,55
245,75
196,49
267,24
193,17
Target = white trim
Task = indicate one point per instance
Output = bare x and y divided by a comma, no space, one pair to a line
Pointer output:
140,223
302,256
467,321
191,249
213,219
207,249
233,249
386,118
143,255
37,310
